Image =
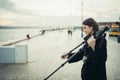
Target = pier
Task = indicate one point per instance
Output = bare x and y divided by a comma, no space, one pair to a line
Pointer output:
44,57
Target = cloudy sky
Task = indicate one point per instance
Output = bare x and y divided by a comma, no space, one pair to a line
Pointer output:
56,12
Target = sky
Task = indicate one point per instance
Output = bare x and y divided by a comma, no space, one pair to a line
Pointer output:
57,12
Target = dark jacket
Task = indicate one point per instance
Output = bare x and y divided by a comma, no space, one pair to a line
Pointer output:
94,67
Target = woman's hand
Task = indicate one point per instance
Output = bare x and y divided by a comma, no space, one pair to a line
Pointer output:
91,42
64,56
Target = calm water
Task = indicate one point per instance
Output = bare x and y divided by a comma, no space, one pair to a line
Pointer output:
14,34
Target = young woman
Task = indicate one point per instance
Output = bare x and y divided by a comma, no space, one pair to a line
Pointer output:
93,54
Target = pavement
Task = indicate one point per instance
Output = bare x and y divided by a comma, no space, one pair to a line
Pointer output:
44,57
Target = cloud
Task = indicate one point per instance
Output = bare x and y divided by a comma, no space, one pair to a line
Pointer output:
7,5
38,12
4,22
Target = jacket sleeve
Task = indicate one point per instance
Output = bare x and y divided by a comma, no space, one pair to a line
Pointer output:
77,57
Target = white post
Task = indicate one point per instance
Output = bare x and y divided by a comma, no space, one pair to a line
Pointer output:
81,18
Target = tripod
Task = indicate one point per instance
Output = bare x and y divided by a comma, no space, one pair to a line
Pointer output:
98,34
66,60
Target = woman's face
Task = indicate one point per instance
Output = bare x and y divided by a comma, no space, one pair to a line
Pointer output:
87,29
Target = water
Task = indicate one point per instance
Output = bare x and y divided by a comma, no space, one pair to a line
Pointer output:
15,34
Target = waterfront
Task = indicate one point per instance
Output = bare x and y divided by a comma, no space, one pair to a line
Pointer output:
44,57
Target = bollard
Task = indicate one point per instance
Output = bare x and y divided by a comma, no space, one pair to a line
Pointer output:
118,38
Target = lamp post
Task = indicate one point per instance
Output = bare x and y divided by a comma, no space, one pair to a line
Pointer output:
81,18
119,19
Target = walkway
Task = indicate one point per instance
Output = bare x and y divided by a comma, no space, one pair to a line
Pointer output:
44,57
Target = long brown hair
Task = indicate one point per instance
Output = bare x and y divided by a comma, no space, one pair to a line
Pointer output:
91,23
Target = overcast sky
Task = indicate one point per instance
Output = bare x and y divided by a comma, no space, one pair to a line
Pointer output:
56,12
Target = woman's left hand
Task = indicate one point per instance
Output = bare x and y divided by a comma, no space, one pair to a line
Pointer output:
91,42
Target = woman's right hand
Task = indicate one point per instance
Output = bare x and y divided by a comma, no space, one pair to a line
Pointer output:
64,56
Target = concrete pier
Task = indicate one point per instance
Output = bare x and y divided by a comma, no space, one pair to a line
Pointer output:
44,57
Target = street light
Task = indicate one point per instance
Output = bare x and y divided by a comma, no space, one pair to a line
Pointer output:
119,18
81,18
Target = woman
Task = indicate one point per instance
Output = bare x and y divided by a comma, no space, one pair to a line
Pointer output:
93,53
